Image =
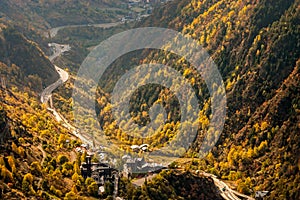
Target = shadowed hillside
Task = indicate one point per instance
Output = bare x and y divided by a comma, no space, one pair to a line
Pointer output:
17,51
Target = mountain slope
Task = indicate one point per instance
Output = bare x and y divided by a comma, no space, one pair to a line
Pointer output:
34,17
18,52
173,184
45,14
37,156
28,149
256,45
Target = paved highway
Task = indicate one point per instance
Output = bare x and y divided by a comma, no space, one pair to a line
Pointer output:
58,49
53,31
140,181
225,191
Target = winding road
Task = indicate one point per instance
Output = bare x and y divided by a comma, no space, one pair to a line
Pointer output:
53,31
139,182
59,49
225,191
63,75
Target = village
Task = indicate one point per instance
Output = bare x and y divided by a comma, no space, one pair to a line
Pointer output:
140,9
104,171
137,168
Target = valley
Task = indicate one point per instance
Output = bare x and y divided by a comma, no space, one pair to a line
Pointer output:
58,50
44,155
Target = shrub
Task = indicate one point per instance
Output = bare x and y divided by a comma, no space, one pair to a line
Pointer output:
70,196
36,168
61,159
93,189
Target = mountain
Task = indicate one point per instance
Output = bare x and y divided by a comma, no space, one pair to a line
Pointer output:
37,157
26,59
34,17
39,15
255,45
172,184
46,14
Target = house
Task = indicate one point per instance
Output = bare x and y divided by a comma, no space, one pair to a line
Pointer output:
260,194
100,172
138,166
133,164
86,146
86,167
150,167
144,147
135,148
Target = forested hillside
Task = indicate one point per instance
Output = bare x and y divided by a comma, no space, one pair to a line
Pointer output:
46,14
172,184
34,17
19,53
37,157
256,47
